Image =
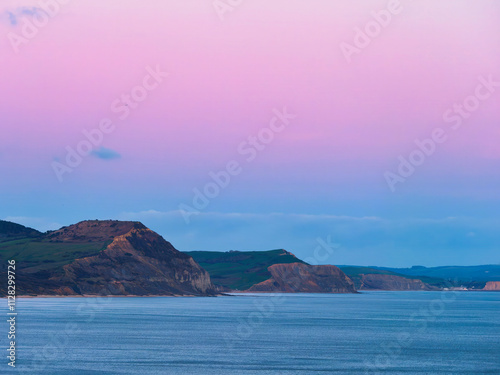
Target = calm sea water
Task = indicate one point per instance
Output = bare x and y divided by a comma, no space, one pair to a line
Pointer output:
368,333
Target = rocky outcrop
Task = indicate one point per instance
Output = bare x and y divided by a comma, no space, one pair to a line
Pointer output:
240,270
492,285
304,278
109,258
93,231
391,282
139,262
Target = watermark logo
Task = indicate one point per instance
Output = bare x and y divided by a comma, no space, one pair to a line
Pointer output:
249,149
419,320
34,21
364,36
265,307
456,115
222,7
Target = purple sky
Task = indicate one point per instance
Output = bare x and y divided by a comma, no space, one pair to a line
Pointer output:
325,173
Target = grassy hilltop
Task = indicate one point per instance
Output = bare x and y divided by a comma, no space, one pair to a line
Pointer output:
239,270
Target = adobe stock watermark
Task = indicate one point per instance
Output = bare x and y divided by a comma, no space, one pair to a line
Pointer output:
57,342
249,149
265,307
373,28
31,24
323,251
122,107
222,7
86,312
419,320
456,115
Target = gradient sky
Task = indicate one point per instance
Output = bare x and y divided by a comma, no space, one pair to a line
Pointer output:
321,176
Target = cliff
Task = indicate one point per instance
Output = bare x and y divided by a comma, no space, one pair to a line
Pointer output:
106,258
492,285
377,278
391,282
239,270
304,278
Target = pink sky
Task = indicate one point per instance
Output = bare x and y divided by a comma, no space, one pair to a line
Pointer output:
226,77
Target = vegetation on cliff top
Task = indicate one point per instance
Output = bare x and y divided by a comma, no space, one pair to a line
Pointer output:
239,270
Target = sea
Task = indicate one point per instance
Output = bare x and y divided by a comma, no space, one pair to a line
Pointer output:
264,334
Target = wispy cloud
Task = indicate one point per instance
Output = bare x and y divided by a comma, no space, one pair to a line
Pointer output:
366,240
106,154
246,215
12,18
13,15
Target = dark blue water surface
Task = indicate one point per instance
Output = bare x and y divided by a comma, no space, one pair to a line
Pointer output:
367,333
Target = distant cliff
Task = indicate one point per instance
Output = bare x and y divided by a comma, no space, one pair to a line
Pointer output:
107,258
391,282
462,274
492,285
372,278
270,271
304,278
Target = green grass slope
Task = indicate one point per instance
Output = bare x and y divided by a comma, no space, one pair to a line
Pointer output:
34,251
33,255
239,270
10,231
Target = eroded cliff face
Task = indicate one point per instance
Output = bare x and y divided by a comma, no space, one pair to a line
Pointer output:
139,262
303,278
492,285
391,282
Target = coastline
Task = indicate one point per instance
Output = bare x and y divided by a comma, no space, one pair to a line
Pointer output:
227,294
108,295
